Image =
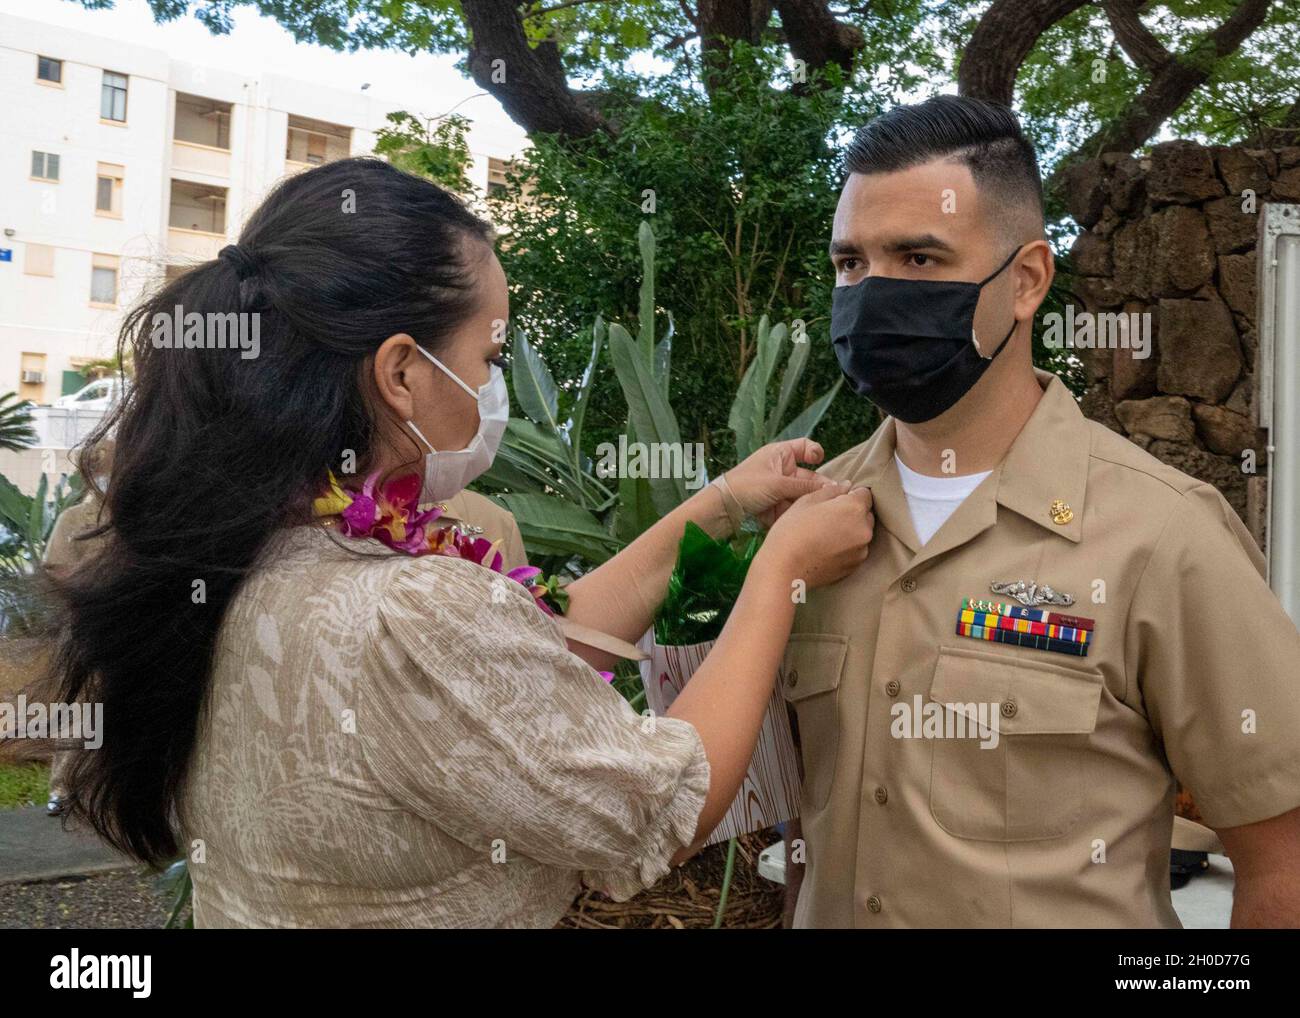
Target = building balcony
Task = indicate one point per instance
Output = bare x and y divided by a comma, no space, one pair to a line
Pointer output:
193,245
207,160
196,221
310,143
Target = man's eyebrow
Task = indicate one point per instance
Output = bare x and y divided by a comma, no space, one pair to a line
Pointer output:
917,242
921,240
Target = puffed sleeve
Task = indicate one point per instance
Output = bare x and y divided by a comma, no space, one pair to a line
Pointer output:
1218,665
480,721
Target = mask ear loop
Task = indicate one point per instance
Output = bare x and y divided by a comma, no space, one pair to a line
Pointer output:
998,271
450,374
447,371
993,275
420,435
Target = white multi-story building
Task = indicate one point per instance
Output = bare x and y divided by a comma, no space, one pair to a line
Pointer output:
120,163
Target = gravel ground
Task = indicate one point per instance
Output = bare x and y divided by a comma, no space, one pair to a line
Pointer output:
124,899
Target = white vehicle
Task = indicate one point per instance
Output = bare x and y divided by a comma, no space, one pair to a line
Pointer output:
100,394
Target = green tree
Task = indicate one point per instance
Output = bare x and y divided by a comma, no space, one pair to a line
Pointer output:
1226,67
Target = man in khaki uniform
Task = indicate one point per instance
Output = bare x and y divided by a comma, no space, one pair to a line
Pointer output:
1167,654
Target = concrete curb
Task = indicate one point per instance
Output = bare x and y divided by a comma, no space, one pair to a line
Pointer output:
34,847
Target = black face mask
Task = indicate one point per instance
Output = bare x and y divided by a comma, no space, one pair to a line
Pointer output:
908,345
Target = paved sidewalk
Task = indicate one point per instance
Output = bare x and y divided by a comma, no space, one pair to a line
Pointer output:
1206,902
34,846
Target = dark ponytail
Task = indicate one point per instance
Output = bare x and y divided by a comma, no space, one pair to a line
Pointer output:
215,450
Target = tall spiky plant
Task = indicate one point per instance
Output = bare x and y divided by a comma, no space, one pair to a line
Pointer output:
16,428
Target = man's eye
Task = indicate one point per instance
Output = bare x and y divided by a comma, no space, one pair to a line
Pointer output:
918,260
848,265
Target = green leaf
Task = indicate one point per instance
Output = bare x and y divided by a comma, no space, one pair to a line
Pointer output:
794,366
534,386
36,517
646,304
748,417
542,459
579,414
506,473
664,361
15,507
635,511
530,438
649,412
803,425
553,526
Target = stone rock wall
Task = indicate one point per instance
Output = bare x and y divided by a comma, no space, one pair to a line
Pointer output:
1173,235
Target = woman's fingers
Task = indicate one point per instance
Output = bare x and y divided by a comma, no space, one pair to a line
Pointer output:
869,500
804,450
787,489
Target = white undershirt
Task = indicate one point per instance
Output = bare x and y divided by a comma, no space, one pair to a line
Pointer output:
932,500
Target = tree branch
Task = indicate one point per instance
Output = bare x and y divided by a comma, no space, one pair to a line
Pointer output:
529,82
1141,45
1002,39
816,36
721,22
1169,88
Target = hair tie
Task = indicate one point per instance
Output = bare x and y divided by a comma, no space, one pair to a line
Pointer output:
239,259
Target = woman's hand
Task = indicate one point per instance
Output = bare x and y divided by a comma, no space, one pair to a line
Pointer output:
823,536
767,482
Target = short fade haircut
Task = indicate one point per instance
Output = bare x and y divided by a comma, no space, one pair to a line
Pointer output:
982,136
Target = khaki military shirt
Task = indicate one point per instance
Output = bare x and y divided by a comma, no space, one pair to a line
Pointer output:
477,514
1192,670
63,548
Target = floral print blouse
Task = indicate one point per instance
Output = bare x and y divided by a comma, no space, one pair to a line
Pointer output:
397,741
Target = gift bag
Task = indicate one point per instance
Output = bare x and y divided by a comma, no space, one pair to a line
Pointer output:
770,792
704,585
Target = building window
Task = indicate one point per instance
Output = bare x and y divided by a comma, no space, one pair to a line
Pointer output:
45,165
108,190
103,279
112,97
49,69
38,260
31,378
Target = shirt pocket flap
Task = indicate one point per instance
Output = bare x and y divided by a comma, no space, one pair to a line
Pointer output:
1024,697
812,664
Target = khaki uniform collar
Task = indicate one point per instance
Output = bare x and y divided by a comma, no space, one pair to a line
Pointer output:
1046,463
454,510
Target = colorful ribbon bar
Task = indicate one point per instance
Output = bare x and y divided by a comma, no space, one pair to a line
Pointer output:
991,621
1018,611
1034,640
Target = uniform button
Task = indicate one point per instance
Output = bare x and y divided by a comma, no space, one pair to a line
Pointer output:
909,585
882,796
1009,709
792,679
873,903
892,687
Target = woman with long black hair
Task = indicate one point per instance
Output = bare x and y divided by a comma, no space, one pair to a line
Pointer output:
340,713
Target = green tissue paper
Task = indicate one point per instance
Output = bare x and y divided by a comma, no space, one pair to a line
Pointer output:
704,585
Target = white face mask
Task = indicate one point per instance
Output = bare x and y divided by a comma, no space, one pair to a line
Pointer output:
446,473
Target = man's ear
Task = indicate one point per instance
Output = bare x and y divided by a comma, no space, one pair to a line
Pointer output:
1034,271
392,366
